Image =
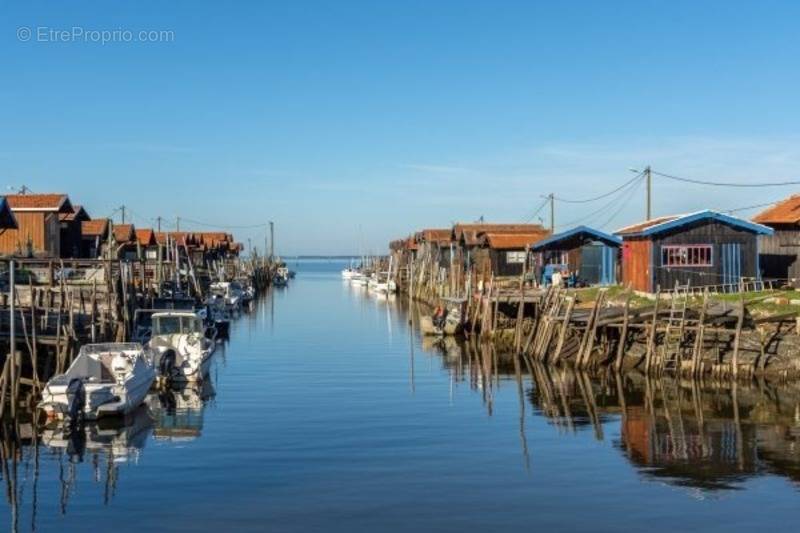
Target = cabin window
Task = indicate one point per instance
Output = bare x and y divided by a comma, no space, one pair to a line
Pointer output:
515,257
695,255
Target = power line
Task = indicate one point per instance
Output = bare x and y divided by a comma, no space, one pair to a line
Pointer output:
538,210
221,226
623,204
602,209
748,207
606,195
725,184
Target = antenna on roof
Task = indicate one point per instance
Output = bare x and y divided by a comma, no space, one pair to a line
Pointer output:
22,190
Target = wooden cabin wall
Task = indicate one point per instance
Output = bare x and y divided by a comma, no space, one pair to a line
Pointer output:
705,232
779,253
501,267
482,261
636,258
41,228
70,239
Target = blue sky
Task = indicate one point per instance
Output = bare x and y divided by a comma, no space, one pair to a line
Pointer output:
350,123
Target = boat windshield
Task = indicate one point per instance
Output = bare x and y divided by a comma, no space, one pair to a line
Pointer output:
176,324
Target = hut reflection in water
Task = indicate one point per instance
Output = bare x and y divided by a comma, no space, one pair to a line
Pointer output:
707,436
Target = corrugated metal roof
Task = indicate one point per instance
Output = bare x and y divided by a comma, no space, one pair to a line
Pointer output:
95,228
124,233
512,241
586,231
77,213
145,237
659,225
39,202
438,236
784,212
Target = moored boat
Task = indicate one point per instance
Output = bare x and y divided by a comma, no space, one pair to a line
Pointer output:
104,379
182,347
447,319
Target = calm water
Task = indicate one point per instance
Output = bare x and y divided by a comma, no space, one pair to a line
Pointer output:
326,412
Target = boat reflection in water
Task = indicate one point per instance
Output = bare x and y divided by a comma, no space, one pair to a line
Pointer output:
704,436
103,446
178,412
121,438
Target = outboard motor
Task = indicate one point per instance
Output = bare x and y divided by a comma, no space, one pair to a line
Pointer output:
76,443
166,366
76,399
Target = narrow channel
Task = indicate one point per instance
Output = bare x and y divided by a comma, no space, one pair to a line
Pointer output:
327,410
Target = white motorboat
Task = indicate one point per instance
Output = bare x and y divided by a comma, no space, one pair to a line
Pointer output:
181,348
105,379
230,291
359,280
382,283
350,272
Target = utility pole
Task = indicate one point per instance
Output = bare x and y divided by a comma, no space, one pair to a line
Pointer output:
552,213
649,177
271,240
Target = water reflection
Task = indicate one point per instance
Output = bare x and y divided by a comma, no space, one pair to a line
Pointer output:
707,436
102,446
178,412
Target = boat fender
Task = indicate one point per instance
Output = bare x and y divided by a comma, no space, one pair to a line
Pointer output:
76,399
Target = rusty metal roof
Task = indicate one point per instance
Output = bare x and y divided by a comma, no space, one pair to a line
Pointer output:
784,212
512,241
471,232
77,213
145,237
39,202
124,233
95,228
438,236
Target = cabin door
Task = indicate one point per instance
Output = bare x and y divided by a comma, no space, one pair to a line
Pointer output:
608,274
731,262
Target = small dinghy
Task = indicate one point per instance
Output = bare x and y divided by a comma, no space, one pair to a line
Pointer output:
182,347
105,379
447,319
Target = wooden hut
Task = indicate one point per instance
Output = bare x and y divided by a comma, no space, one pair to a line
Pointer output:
591,254
507,252
148,245
706,248
125,242
435,245
470,245
70,229
38,231
779,252
94,238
